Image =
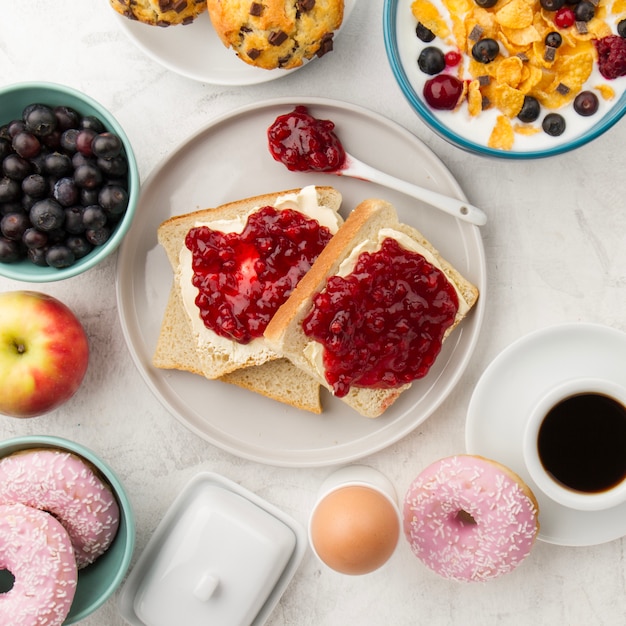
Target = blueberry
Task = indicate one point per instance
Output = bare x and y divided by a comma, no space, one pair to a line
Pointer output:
68,140
584,11
9,250
47,215
106,145
39,119
94,217
33,238
586,103
37,256
73,223
424,34
621,28
14,225
91,122
553,124
552,5
67,117
431,60
65,191
98,236
88,176
26,145
59,256
486,4
113,199
553,39
485,50
79,246
530,110
15,167
9,189
57,164
115,167
35,185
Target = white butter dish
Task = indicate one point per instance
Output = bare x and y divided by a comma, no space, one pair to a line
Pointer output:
221,556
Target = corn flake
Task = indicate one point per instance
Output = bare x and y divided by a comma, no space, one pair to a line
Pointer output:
428,14
502,136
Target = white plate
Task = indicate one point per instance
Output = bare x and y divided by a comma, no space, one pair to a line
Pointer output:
228,160
195,51
505,395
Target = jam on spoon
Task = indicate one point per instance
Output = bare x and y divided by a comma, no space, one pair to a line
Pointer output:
304,143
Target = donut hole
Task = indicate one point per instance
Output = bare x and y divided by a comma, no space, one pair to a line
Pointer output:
464,518
7,580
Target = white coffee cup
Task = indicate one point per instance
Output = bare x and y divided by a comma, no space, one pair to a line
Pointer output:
575,444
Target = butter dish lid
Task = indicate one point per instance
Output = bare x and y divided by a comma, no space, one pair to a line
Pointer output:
220,556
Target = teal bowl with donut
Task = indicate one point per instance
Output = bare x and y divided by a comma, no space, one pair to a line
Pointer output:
103,560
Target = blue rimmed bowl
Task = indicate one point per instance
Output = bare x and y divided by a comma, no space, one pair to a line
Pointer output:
99,580
471,134
13,99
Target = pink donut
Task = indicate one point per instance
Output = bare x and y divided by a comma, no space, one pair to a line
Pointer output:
67,487
469,518
37,550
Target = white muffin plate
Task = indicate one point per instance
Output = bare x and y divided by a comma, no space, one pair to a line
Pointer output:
195,51
503,400
229,160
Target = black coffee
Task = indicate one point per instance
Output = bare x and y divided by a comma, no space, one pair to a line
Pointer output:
582,442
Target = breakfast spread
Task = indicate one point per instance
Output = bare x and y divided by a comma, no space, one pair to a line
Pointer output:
234,266
63,187
470,519
516,74
68,488
371,315
277,33
160,12
36,549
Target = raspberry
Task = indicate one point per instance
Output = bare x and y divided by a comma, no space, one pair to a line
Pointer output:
611,56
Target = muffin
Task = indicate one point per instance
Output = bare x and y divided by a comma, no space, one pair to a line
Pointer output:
274,34
160,12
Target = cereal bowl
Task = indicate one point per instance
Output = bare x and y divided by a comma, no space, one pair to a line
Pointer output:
99,580
13,100
472,122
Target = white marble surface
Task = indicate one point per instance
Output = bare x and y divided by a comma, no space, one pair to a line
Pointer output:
555,250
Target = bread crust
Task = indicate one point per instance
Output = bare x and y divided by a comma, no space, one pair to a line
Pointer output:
176,346
284,333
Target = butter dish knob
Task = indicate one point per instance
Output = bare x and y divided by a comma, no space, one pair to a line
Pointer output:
206,586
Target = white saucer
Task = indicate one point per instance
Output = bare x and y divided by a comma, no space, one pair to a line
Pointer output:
508,389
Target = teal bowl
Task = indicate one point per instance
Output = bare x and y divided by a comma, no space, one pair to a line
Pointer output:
98,581
13,99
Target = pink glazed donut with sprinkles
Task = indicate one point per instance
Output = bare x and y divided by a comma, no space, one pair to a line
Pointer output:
66,486
37,551
470,519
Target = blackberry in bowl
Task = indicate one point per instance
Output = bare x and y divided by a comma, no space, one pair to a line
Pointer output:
69,182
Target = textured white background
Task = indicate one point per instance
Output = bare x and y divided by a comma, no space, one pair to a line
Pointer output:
556,253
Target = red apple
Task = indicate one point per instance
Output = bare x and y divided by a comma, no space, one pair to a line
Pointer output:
43,353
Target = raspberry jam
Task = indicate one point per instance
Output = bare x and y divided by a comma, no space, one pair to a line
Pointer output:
382,326
305,144
243,278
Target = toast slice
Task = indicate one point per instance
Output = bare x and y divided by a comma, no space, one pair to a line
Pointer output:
258,369
285,334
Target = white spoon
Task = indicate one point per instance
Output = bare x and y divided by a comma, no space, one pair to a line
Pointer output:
458,208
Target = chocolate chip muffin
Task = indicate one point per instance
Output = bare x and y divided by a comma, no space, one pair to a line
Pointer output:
160,12
276,33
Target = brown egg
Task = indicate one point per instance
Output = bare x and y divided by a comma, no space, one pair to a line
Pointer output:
354,530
